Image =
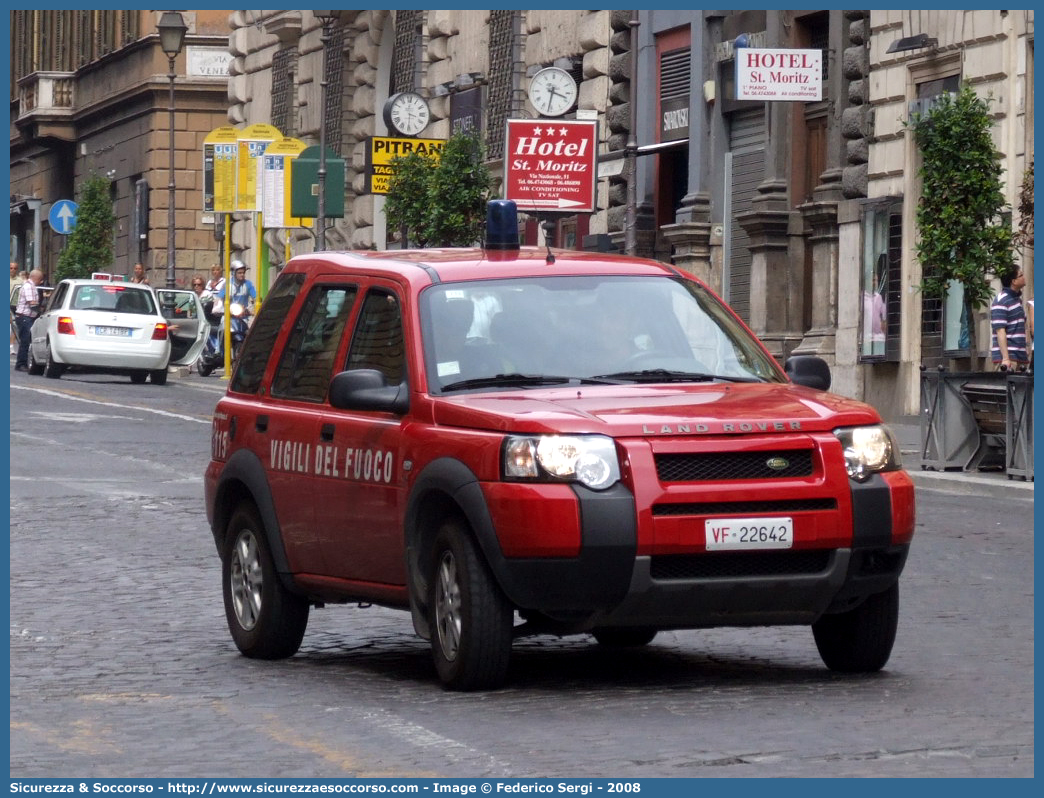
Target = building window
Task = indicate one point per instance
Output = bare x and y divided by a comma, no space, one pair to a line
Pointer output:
881,311
284,70
405,55
502,27
335,92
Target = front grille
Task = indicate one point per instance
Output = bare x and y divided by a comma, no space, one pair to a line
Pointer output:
737,565
734,465
745,507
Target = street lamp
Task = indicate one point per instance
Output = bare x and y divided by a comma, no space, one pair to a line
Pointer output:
326,18
172,31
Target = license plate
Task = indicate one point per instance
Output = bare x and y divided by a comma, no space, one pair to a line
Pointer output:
123,332
725,534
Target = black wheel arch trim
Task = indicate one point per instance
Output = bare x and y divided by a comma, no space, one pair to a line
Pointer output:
245,468
597,579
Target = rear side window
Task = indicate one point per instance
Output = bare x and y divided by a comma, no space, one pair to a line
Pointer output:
307,363
377,342
260,342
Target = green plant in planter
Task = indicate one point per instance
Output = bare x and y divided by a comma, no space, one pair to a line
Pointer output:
440,202
89,245
964,236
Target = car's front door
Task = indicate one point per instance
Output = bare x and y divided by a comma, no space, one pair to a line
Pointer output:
358,504
187,323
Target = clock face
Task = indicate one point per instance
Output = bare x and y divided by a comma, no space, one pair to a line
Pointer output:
407,113
552,91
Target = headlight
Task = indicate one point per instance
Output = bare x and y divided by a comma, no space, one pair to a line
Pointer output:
588,459
869,450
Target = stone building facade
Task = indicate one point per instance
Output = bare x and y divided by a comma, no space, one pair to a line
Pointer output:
89,94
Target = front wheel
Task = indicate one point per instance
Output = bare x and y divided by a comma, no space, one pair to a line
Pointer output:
265,619
470,618
860,640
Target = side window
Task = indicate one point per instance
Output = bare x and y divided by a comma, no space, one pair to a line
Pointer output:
260,342
307,363
377,342
57,298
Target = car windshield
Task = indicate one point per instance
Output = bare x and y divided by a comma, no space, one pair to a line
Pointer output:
550,331
113,298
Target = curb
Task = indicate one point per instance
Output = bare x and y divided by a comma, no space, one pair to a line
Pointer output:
996,486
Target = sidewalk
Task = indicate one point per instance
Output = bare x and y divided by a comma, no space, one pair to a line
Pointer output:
981,483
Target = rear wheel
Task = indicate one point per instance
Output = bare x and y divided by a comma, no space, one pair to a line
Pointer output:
139,377
52,370
624,637
158,377
265,619
35,366
470,618
860,640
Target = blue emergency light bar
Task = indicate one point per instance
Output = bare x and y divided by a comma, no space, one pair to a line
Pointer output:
501,225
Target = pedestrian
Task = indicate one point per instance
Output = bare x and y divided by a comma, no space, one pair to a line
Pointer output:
198,286
1029,329
16,281
26,311
139,275
1008,320
216,279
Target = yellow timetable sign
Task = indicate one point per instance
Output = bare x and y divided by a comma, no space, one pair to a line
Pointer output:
220,154
253,140
383,150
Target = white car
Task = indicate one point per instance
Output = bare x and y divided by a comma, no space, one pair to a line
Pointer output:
117,327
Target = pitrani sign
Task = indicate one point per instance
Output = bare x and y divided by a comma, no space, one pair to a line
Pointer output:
779,74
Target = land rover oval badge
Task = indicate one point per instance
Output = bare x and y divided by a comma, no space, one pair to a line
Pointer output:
777,463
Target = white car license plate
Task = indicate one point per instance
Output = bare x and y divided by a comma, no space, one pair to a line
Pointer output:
122,332
749,533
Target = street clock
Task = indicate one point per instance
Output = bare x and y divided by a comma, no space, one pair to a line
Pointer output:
552,91
407,113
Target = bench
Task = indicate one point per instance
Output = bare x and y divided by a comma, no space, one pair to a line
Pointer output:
989,406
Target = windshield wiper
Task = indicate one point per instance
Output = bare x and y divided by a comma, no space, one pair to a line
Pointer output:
524,380
506,380
667,375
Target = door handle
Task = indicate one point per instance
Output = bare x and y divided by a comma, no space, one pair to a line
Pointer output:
261,424
326,433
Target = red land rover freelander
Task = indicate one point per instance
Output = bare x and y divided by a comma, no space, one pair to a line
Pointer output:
510,441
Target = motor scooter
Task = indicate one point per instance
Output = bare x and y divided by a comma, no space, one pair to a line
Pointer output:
213,355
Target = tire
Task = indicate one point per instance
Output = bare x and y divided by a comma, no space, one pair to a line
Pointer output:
52,370
204,369
139,377
470,618
36,368
860,640
158,377
624,637
266,620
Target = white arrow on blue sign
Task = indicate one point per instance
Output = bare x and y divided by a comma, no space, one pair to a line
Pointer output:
62,217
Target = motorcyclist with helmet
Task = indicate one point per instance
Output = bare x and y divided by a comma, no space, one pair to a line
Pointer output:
241,307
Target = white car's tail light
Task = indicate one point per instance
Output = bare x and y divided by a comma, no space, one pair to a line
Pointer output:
160,333
65,326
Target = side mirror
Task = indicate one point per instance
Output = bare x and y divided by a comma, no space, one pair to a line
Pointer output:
366,389
808,370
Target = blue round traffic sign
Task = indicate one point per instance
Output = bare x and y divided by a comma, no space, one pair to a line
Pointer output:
62,217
